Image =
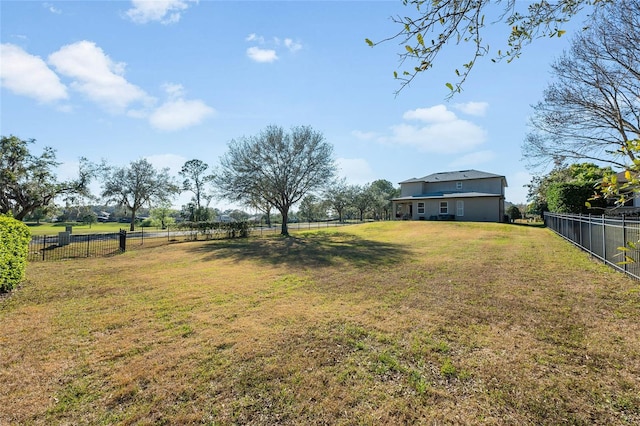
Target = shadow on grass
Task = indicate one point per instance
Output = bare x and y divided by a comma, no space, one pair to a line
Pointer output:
310,250
531,224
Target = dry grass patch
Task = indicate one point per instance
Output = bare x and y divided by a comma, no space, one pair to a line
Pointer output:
386,323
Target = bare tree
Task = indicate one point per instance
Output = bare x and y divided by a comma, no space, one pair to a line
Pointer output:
591,110
436,24
138,185
276,166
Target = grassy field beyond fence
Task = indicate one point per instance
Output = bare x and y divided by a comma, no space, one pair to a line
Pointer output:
381,323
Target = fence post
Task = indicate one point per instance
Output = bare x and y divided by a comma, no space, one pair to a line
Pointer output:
88,239
44,247
624,240
604,240
590,235
123,240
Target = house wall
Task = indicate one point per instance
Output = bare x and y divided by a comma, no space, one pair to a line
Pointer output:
408,189
481,209
488,186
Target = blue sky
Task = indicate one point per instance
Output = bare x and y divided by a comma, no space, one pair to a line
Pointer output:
175,80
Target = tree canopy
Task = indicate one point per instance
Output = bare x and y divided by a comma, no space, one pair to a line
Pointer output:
138,185
568,189
276,166
590,110
433,25
196,180
28,181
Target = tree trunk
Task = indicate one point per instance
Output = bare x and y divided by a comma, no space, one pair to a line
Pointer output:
133,221
285,218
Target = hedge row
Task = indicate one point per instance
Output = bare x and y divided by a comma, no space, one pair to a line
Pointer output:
14,247
232,229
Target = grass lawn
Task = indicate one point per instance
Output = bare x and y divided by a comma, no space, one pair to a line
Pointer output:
45,228
383,323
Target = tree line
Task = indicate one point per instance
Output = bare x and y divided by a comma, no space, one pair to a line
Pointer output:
273,170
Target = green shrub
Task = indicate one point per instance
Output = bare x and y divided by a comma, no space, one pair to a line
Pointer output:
14,247
573,197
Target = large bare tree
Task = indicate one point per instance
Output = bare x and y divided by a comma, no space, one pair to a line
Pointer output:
138,185
591,109
276,166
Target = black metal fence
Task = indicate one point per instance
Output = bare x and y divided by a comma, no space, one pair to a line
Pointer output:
70,246
61,246
603,237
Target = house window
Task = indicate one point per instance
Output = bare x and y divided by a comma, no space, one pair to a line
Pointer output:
420,208
459,208
458,185
444,207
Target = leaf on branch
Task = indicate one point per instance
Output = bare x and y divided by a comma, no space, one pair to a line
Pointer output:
449,86
410,49
369,42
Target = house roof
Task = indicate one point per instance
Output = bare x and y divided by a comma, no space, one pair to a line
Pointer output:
455,176
445,195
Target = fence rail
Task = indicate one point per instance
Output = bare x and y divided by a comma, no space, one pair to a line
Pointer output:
58,247
601,236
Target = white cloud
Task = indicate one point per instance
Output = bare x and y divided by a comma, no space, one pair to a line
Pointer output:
163,11
52,8
434,114
261,55
292,45
176,114
96,76
478,109
270,49
473,159
29,75
356,170
255,37
442,132
173,90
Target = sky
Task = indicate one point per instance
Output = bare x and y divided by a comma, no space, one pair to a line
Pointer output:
176,80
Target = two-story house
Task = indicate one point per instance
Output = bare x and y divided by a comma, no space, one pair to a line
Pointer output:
468,195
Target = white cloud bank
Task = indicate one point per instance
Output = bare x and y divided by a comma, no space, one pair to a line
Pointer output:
100,80
178,113
440,131
163,11
96,76
28,75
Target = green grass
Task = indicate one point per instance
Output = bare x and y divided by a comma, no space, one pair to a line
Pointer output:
383,323
45,228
